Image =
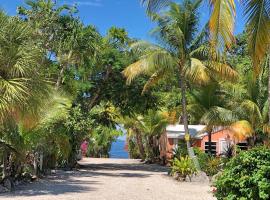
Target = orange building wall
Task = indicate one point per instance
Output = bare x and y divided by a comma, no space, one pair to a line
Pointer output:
216,137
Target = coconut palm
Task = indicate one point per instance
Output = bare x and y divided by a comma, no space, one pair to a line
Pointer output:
221,27
181,52
221,23
244,110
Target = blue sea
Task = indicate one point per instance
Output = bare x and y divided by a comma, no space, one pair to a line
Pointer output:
118,149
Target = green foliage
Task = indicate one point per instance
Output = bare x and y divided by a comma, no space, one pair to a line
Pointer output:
183,167
209,164
246,176
181,150
100,141
133,149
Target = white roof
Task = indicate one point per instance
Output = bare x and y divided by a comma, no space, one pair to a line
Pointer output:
178,131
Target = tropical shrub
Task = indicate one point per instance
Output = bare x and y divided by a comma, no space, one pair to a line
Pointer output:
213,165
182,168
209,164
246,176
181,150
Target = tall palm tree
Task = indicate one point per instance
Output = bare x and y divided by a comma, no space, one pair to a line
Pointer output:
221,23
181,52
221,27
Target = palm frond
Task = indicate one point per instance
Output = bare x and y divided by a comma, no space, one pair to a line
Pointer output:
223,70
221,23
258,26
154,5
149,64
218,116
197,72
241,130
249,111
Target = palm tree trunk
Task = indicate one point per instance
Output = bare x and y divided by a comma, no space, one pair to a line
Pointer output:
191,153
140,143
210,142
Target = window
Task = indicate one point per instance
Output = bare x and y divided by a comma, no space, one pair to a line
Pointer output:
242,145
213,147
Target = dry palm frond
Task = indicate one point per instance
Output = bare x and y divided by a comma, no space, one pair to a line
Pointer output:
223,70
241,130
258,26
197,72
221,23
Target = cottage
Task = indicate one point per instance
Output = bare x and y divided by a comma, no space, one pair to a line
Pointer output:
221,139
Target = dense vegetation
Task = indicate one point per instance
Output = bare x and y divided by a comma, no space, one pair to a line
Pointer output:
62,82
247,176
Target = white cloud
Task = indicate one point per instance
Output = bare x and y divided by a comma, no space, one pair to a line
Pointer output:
95,3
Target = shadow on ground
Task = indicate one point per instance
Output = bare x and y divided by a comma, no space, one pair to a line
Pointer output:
54,185
65,182
132,167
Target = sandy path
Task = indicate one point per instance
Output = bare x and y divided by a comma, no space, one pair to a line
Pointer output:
111,179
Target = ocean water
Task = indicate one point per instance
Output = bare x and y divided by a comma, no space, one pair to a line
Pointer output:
118,150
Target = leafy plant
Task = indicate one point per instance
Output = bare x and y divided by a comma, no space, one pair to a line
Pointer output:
209,164
246,176
183,167
181,150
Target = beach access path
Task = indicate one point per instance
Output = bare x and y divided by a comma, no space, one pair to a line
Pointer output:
111,179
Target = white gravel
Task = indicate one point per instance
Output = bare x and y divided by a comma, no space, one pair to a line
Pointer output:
111,179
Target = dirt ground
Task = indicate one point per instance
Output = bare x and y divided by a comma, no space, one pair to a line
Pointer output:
111,179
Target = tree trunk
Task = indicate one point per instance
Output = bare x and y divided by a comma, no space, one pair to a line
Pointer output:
63,67
210,142
41,162
4,173
94,99
182,84
59,79
35,164
140,143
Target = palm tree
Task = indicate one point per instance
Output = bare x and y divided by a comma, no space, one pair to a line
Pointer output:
221,27
22,82
152,125
131,125
182,52
244,110
202,101
21,79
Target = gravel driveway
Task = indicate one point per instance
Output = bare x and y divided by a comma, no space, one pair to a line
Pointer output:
111,179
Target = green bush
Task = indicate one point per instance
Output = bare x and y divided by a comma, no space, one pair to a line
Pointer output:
209,164
246,176
182,167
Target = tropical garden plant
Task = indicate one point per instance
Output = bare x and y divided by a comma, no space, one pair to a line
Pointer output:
246,176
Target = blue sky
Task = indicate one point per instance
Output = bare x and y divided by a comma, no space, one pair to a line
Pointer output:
128,14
